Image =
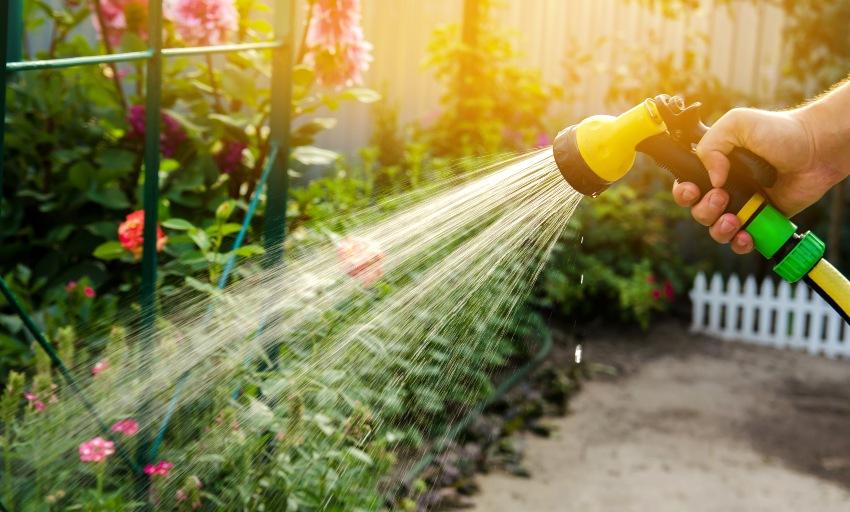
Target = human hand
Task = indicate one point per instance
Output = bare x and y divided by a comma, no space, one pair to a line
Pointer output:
786,140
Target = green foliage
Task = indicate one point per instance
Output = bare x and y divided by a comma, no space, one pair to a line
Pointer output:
489,104
73,161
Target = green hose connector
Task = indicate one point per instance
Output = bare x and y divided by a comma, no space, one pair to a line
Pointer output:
801,259
771,230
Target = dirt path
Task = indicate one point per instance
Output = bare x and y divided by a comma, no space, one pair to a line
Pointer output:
691,424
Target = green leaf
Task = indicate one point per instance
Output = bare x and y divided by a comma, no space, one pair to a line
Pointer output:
199,236
229,121
360,455
114,163
168,165
201,286
179,224
305,133
303,76
311,155
249,250
111,250
361,94
82,175
112,198
229,228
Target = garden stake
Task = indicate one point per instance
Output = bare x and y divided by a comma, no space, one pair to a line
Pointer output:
600,150
222,282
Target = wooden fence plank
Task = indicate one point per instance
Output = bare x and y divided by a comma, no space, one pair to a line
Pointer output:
783,316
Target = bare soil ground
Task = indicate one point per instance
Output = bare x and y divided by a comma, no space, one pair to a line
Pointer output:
690,424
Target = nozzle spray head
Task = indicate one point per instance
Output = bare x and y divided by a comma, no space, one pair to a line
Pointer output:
600,150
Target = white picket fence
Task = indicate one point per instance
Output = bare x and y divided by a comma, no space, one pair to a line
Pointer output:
783,316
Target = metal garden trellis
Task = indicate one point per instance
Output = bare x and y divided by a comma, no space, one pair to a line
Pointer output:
275,173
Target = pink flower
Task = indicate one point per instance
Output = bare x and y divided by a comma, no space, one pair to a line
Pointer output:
203,22
36,402
229,158
656,293
70,286
337,49
129,427
99,366
96,450
122,16
361,259
161,468
89,292
131,234
543,140
171,135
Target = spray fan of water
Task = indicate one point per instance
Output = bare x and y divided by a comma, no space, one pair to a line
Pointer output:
374,337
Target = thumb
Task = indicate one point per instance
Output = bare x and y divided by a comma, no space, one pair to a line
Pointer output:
718,142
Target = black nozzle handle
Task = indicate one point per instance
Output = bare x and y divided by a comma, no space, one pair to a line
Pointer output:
749,173
743,160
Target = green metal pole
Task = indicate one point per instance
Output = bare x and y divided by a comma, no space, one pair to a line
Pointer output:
5,21
15,27
150,194
279,121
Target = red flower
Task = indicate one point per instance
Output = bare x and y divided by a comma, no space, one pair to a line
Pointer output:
70,286
130,234
656,293
89,292
669,291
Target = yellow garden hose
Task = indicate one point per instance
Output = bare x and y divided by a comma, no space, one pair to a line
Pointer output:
832,286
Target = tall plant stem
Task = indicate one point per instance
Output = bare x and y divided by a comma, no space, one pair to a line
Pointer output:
104,28
216,94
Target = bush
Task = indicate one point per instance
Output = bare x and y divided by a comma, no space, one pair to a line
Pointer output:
620,258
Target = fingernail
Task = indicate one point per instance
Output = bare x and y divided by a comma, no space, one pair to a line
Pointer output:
689,195
716,200
726,226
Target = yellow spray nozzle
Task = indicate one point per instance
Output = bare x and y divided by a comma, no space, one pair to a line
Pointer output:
601,149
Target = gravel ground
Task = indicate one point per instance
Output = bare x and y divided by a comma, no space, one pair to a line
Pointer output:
690,424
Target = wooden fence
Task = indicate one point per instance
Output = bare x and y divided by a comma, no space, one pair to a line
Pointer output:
782,316
742,47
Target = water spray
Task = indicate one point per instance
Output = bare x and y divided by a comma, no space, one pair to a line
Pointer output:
600,150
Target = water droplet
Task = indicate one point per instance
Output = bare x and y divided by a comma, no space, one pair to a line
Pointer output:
578,354
581,279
